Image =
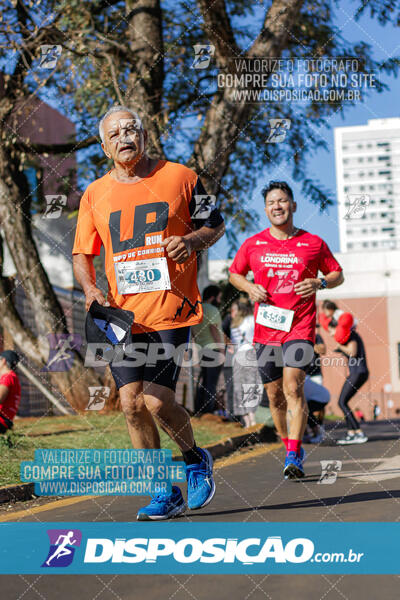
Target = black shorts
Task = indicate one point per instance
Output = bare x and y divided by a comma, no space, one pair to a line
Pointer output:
272,359
153,357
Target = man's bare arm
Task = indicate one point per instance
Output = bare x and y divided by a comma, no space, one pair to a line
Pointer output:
179,247
256,292
216,334
334,278
205,236
85,275
309,286
320,348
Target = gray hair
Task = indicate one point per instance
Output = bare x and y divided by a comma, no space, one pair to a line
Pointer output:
115,109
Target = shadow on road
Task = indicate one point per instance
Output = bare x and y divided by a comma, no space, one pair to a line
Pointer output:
312,503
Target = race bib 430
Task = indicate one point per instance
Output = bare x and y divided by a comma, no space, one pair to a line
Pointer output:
139,276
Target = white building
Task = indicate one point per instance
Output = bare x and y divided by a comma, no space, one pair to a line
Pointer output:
368,185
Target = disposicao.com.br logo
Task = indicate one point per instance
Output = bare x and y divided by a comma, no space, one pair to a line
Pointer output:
248,551
62,547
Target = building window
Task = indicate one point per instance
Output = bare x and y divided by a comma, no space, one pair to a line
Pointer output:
350,245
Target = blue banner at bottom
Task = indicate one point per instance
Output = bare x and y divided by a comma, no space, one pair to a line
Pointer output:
172,547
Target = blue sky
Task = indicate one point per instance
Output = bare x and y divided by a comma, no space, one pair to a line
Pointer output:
386,43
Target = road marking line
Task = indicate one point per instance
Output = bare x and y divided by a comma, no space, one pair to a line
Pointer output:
222,462
237,458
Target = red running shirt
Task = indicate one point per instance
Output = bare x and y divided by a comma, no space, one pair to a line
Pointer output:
278,265
10,405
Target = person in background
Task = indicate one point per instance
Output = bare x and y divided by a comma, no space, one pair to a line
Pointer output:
314,370
247,384
352,347
10,389
206,334
229,352
317,397
359,415
332,316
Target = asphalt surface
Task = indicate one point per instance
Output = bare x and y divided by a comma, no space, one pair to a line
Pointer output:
359,483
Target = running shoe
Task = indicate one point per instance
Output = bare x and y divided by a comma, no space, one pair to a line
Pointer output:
200,482
163,506
294,465
353,438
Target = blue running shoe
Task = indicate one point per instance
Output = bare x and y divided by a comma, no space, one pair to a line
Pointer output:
201,486
163,506
294,465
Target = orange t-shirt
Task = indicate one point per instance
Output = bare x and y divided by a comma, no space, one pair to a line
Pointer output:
130,220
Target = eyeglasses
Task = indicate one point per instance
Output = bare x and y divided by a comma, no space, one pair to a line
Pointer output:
124,131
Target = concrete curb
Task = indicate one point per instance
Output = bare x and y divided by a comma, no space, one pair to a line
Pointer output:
259,434
16,493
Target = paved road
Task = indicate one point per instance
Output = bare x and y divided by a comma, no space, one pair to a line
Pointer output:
365,487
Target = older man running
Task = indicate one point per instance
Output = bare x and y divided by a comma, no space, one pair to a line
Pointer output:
147,215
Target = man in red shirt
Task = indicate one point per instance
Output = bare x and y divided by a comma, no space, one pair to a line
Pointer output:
10,389
285,261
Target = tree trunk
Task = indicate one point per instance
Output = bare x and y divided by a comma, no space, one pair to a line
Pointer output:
225,121
145,82
49,316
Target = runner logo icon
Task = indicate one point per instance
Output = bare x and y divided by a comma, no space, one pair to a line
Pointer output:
278,130
62,547
252,394
203,54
